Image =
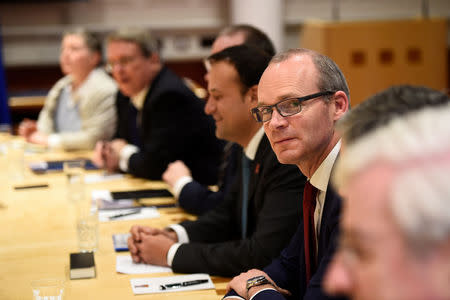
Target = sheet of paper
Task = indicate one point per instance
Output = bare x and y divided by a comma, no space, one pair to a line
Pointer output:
94,178
152,285
135,214
125,265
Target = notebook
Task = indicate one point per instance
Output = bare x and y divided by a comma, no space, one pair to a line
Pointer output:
82,265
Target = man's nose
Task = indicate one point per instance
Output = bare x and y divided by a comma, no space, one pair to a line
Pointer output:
337,280
210,106
277,120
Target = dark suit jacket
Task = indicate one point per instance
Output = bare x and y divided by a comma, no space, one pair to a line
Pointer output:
288,270
216,247
197,199
173,126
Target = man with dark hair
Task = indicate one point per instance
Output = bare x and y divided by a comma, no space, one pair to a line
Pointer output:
243,34
191,195
159,118
262,209
301,95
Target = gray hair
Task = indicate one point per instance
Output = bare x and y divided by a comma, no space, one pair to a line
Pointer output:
418,147
382,107
330,78
141,37
93,43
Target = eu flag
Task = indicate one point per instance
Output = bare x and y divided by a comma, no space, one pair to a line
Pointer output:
4,108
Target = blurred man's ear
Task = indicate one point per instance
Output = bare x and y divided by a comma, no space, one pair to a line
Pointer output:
252,93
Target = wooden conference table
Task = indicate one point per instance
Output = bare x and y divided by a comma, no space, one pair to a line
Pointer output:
38,233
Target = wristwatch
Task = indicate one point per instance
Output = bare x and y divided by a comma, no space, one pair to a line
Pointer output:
255,281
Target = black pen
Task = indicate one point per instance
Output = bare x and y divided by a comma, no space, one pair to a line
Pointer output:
182,284
125,214
23,187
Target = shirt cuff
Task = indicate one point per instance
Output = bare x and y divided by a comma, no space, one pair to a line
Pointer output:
181,233
266,289
54,141
124,156
171,253
179,185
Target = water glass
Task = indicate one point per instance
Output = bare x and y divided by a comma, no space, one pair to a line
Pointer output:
87,225
74,171
48,289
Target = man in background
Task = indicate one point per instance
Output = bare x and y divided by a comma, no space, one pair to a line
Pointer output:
191,195
262,209
394,178
160,119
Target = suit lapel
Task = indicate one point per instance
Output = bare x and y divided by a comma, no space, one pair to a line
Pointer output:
257,167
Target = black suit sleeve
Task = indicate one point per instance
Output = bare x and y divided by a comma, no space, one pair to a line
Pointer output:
197,199
215,244
173,128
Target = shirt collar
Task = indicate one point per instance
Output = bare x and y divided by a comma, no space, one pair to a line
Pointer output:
139,98
321,177
250,150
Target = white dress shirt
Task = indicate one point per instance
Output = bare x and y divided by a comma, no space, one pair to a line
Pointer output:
320,180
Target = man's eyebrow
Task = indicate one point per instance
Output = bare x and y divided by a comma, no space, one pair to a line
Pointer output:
281,98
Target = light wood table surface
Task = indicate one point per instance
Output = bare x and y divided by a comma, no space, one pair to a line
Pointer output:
38,232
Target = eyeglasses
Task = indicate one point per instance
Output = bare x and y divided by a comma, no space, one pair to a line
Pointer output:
123,61
285,108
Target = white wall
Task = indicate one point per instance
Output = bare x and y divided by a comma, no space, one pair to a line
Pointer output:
31,32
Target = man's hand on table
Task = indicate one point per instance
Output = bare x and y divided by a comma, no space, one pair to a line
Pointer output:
150,245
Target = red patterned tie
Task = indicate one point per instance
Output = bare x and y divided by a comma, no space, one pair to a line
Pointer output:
309,205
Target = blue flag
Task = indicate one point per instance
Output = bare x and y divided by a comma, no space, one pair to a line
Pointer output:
4,108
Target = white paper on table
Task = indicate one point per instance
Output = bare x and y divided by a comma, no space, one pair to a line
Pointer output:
94,178
152,285
144,213
125,265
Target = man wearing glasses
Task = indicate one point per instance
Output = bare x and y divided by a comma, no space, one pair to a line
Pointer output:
301,95
160,119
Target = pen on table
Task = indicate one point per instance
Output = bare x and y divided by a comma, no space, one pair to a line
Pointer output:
182,284
33,186
125,214
141,286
